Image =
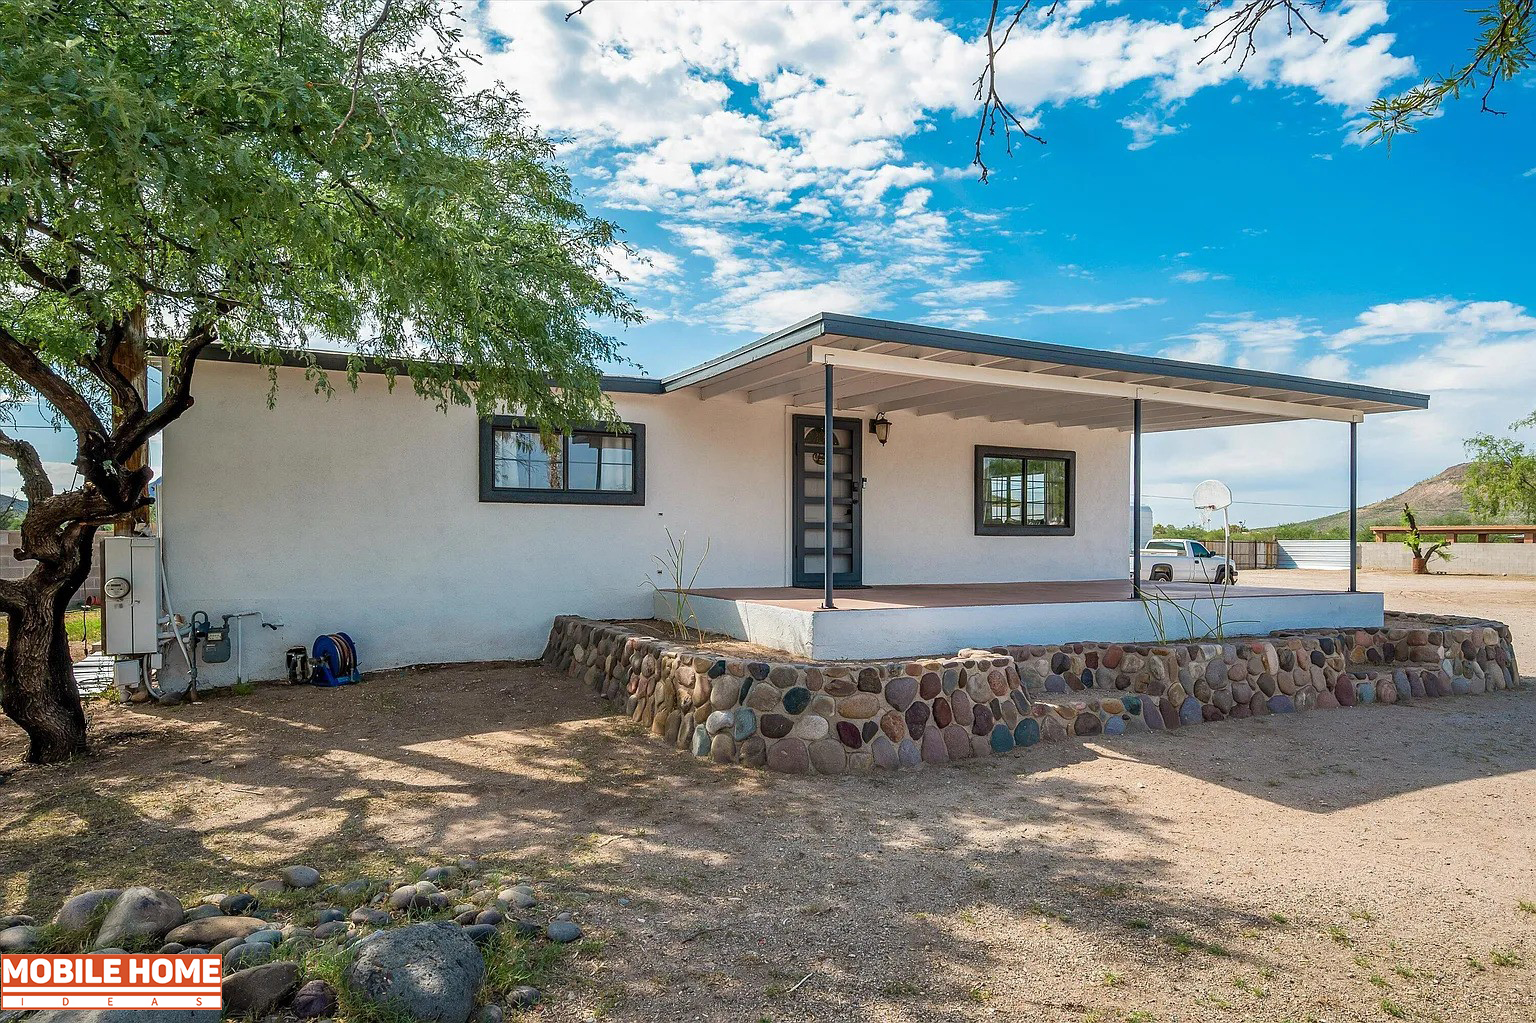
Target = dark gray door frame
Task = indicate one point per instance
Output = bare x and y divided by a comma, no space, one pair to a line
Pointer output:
800,425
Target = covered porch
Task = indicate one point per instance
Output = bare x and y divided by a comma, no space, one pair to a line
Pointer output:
844,380
935,619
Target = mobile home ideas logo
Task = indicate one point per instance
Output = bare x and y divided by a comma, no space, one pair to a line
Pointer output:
110,981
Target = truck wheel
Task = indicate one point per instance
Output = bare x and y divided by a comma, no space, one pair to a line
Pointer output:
1162,574
1221,575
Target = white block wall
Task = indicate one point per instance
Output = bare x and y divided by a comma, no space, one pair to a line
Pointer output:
362,514
1466,559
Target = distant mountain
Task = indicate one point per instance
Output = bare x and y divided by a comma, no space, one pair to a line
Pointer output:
18,507
1435,500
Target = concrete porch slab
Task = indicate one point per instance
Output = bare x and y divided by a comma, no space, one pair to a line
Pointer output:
917,620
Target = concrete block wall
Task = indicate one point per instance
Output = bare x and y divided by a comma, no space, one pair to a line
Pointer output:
1466,559
10,568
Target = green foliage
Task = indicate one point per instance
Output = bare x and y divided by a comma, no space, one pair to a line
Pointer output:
1286,532
1501,477
11,512
1422,549
270,176
674,565
1503,52
277,173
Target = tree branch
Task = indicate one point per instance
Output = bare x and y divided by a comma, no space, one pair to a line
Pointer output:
57,391
357,64
993,109
34,478
177,386
127,330
1241,26
68,286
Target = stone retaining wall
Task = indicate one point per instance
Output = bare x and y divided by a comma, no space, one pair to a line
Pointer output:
843,718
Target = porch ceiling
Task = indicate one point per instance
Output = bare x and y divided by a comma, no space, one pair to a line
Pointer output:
887,367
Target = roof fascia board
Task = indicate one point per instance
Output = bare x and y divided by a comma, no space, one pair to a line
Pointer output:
899,366
837,324
984,344
340,362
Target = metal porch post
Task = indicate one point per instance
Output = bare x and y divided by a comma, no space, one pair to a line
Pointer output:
1135,497
1354,504
826,495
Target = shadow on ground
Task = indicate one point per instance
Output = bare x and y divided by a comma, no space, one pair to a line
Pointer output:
1135,875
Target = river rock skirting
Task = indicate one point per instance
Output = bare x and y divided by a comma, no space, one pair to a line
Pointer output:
842,718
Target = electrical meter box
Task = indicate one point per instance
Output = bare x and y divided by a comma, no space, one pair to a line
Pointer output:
130,594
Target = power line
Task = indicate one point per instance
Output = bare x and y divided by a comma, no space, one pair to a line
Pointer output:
1266,504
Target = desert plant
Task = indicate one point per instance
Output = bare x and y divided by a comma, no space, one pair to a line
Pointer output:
674,565
1194,625
1423,551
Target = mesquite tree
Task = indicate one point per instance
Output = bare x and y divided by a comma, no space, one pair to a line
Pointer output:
263,175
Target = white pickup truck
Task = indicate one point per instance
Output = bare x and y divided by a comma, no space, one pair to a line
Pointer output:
1184,561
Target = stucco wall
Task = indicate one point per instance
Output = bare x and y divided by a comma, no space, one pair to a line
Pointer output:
361,514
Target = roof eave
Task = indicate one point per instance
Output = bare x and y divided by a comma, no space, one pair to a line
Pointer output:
985,344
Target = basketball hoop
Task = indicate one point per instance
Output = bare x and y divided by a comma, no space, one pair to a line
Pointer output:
1213,496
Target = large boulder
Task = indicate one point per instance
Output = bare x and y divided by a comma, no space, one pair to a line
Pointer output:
299,876
21,938
209,931
315,1000
137,915
429,971
79,912
259,990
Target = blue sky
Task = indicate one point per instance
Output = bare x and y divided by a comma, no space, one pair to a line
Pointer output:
774,160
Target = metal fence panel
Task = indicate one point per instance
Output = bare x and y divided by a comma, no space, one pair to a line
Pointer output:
1328,554
1247,554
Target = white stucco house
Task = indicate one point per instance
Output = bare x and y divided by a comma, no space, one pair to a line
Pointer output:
964,468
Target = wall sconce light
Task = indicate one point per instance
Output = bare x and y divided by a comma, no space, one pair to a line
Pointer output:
881,428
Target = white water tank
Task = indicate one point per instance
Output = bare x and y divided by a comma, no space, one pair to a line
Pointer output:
1146,521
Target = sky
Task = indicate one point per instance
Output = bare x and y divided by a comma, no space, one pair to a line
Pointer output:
769,161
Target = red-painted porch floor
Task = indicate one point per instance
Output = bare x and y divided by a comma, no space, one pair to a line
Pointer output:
878,598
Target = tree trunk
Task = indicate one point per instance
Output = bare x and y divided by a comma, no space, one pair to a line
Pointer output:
129,360
39,691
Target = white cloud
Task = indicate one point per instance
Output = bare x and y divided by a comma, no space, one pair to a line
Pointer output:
1241,339
1462,322
1093,307
1197,276
645,269
61,473
1145,129
726,117
1477,362
1530,173
962,292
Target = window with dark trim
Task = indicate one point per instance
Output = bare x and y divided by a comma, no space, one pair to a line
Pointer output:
1025,492
587,465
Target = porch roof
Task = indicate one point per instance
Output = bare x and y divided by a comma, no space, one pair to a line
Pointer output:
886,366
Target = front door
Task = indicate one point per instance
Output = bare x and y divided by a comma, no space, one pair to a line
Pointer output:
811,537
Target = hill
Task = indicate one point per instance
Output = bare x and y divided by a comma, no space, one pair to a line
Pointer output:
1437,500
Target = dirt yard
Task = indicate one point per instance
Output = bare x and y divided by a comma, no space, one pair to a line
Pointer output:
1375,863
